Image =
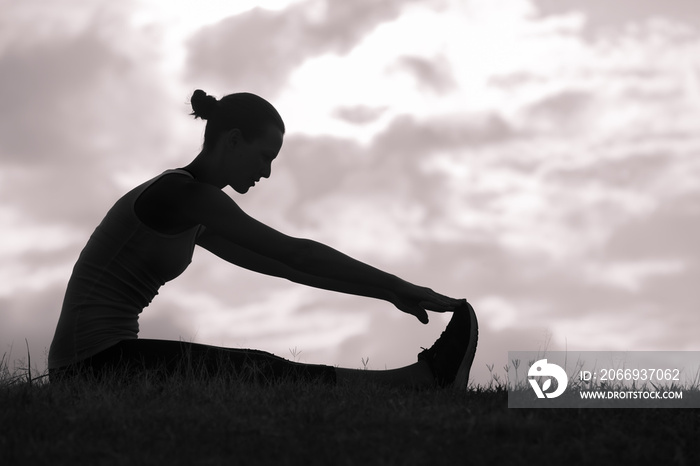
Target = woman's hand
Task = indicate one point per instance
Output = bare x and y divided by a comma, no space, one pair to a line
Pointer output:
416,300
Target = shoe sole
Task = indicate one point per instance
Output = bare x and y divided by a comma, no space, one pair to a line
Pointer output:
462,377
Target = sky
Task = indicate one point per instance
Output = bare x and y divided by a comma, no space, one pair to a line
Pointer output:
537,157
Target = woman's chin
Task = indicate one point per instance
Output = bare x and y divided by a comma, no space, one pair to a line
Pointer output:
240,189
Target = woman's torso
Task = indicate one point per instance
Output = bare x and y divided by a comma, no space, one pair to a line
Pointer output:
117,275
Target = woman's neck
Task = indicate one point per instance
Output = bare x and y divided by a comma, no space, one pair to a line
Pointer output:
203,170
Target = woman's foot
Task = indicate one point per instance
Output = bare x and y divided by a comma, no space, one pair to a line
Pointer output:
451,356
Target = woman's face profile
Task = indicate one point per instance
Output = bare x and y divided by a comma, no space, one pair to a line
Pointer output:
248,162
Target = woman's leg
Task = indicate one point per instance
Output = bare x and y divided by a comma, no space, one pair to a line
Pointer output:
446,363
164,358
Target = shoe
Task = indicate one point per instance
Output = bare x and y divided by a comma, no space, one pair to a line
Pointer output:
451,356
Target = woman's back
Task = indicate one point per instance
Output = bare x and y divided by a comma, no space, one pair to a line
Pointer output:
118,274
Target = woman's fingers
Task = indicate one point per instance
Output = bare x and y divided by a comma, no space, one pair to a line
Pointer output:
436,307
439,302
416,300
422,316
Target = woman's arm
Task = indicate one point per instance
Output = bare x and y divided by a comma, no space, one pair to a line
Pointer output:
250,260
400,297
302,260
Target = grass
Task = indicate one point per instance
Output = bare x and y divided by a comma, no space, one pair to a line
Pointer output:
193,422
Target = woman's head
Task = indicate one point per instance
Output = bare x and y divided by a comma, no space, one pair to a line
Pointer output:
243,136
250,114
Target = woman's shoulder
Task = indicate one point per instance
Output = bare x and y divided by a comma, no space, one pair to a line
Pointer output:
158,204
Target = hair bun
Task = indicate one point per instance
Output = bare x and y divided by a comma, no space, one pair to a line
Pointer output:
203,105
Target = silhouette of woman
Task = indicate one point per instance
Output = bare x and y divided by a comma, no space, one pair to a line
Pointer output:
147,238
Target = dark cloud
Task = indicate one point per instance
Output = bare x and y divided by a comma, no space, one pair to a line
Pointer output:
563,103
359,114
434,75
669,232
258,49
78,106
638,171
606,16
74,82
61,194
564,110
45,95
406,136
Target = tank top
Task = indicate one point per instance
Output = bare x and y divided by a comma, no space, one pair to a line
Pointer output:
117,275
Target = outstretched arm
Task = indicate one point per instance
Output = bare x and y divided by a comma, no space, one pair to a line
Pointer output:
405,297
266,250
250,260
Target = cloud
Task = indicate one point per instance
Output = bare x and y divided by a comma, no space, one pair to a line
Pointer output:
75,85
45,97
433,75
604,16
670,231
408,138
632,275
80,106
258,49
331,181
566,110
359,114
